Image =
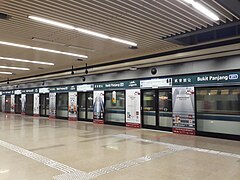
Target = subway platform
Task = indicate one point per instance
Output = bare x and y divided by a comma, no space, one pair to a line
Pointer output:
39,148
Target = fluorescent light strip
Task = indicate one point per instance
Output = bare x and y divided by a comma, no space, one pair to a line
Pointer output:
85,31
42,49
17,68
203,9
1,72
26,61
61,44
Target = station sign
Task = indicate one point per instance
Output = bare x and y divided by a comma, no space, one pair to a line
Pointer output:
30,91
221,77
8,92
63,88
118,85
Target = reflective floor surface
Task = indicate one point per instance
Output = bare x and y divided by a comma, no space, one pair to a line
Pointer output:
38,148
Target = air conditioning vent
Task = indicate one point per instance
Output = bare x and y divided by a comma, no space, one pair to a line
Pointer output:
4,16
228,30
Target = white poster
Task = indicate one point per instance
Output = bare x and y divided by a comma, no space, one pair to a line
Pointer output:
72,106
23,101
133,118
183,110
17,92
12,110
3,103
36,105
52,105
43,90
98,107
85,87
156,83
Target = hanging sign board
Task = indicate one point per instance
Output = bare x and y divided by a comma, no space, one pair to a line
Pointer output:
133,111
183,110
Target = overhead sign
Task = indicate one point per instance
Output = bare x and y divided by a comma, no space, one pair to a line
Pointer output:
118,85
9,92
30,91
63,88
221,77
156,83
85,87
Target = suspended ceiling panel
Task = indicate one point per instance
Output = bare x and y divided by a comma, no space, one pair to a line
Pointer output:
144,22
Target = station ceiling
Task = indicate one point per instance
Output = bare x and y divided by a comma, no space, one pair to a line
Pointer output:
145,22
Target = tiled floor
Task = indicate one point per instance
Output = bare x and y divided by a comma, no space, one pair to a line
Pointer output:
38,148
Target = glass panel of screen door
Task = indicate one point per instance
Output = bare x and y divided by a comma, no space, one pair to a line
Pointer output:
18,104
165,108
82,106
42,104
115,106
7,103
90,105
29,104
149,108
62,105
47,104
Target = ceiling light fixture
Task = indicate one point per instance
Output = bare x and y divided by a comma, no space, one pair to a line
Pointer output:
85,31
61,44
26,61
48,41
202,9
1,72
17,68
41,49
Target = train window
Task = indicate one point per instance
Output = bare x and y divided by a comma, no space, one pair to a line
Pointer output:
218,110
219,100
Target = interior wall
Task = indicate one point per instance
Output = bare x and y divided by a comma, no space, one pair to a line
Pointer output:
220,64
